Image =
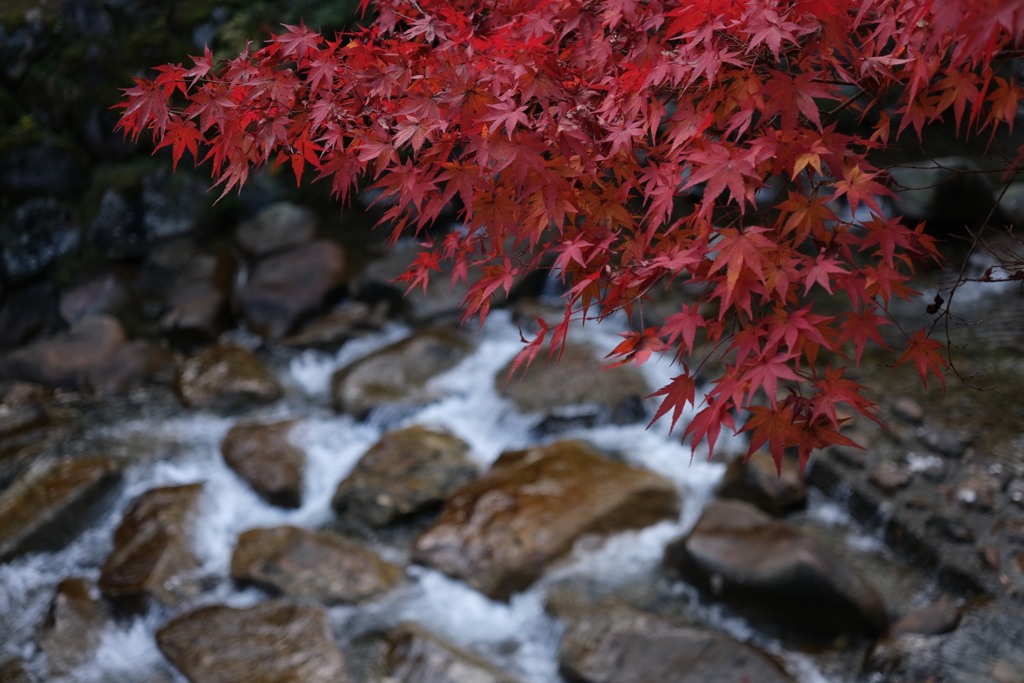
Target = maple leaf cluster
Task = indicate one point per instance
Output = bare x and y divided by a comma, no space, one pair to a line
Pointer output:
570,127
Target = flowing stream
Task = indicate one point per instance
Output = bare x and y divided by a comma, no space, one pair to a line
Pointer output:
519,637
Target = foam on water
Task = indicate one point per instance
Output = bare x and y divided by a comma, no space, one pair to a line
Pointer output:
519,635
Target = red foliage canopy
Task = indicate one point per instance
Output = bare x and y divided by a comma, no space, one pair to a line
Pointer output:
570,127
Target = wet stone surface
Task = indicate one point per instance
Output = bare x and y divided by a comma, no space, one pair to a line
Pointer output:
262,456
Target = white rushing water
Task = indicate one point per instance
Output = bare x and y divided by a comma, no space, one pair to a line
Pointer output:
519,636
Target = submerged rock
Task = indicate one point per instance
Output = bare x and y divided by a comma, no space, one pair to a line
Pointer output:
499,532
311,566
415,654
397,374
278,226
576,389
66,359
73,626
287,286
614,643
272,642
757,481
404,473
261,455
47,507
225,378
772,571
152,546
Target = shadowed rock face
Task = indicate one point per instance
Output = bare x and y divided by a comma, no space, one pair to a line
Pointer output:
404,473
322,567
66,359
152,545
289,285
575,389
499,533
261,455
225,378
612,642
771,571
50,504
270,643
398,374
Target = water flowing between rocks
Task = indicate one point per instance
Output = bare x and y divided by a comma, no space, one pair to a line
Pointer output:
519,637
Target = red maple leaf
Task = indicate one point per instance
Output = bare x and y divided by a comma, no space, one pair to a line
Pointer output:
926,357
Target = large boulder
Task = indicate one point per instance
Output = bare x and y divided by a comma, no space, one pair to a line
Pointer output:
415,654
152,546
71,631
288,286
40,232
612,642
276,227
48,505
406,472
225,378
270,643
311,566
771,571
499,532
66,359
949,193
262,456
397,375
576,389
758,481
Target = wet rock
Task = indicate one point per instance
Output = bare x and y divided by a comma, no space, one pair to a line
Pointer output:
977,491
287,286
1015,492
950,528
152,546
14,671
20,425
416,654
499,532
944,441
398,374
908,409
576,390
614,643
225,378
270,643
172,203
47,506
889,478
41,231
41,167
103,294
198,299
948,192
404,473
440,300
1011,203
757,481
71,631
984,647
772,571
136,364
308,566
278,226
261,455
66,359
351,319
942,616
29,312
